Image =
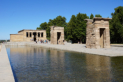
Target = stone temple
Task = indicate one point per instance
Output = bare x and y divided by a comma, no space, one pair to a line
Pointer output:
97,33
28,36
56,35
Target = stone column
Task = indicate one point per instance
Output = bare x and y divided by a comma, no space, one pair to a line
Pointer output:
62,37
55,37
44,35
40,34
37,36
32,36
28,34
97,37
107,38
52,36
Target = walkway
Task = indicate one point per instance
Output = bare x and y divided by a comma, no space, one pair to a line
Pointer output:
115,50
6,74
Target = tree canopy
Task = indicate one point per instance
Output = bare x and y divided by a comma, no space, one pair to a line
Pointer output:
116,25
77,28
98,15
91,16
58,21
43,26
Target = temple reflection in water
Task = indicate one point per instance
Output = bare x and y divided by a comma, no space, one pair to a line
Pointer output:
98,68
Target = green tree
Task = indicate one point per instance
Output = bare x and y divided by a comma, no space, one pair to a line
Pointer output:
71,27
98,15
80,30
43,26
77,28
116,25
58,21
91,16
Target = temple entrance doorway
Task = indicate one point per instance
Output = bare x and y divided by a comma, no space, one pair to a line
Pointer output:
58,37
102,37
34,34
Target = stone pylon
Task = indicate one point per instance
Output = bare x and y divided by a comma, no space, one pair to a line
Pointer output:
56,35
97,33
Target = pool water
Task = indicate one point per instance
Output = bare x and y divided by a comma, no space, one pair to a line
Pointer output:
36,64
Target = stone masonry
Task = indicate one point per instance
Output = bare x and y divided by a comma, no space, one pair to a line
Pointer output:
28,36
97,33
56,35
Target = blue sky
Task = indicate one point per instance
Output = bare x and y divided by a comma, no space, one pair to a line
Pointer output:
16,15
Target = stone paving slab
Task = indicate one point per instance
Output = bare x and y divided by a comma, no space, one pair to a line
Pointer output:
6,74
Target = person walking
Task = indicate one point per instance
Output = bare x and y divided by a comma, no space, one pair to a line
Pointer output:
36,41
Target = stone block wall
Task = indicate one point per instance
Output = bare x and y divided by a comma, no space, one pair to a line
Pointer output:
28,39
54,30
94,38
16,37
22,36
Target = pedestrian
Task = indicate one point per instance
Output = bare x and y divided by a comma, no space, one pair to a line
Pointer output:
78,42
41,41
47,41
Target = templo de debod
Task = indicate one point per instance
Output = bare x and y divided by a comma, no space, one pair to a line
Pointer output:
97,33
57,35
28,36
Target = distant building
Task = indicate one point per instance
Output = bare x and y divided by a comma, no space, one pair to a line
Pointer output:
56,35
28,36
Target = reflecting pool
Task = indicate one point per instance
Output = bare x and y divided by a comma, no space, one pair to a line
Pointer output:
35,64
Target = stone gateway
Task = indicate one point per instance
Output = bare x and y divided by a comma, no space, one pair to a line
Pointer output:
97,33
28,36
56,35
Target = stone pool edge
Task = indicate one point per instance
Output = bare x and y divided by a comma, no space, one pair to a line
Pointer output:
58,48
82,49
6,74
